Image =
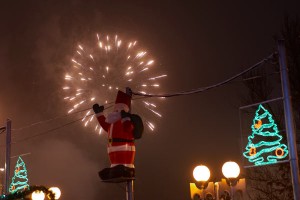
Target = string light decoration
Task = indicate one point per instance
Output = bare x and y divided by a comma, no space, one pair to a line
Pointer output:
19,181
264,145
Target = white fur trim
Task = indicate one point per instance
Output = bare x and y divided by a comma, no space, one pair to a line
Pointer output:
126,165
120,148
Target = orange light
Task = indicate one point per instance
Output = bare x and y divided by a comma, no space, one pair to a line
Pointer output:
279,152
258,125
252,151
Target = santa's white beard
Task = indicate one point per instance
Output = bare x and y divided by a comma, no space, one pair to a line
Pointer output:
113,117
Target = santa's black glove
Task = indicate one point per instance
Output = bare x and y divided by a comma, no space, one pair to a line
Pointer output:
125,114
97,108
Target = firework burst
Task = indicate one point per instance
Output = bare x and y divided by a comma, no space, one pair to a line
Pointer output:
109,65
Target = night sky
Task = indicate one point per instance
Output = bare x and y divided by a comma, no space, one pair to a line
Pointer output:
197,44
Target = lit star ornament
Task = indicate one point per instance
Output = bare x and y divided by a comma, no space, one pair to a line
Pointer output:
97,71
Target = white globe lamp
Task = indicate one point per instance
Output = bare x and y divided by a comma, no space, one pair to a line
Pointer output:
201,173
38,195
56,191
231,170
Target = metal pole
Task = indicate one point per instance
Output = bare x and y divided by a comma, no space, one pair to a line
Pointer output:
7,155
289,121
129,190
217,186
2,182
231,192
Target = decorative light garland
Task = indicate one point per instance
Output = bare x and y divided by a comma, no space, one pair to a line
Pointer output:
264,145
19,181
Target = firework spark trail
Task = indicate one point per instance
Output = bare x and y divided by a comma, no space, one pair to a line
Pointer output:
99,70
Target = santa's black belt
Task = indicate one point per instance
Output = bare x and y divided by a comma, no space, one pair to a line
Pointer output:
119,140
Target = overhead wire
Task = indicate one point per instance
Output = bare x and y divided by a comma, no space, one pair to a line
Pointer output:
54,118
59,127
198,90
48,120
141,96
63,116
49,131
54,129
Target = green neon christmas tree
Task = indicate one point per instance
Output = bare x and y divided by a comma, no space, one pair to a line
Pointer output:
19,181
264,145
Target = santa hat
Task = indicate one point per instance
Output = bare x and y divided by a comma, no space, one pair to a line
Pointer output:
123,101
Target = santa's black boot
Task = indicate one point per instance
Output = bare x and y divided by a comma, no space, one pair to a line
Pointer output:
129,172
118,172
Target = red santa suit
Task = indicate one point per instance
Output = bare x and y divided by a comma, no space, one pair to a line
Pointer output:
120,148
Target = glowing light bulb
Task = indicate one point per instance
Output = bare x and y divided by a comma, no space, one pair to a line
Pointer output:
38,195
201,173
231,169
56,191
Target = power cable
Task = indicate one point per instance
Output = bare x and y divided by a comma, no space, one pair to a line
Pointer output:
56,128
48,120
54,118
49,131
194,91
62,116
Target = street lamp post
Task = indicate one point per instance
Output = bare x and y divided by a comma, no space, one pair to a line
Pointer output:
201,173
7,128
2,170
231,171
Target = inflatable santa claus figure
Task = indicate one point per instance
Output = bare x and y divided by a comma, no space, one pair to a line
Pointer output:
120,148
